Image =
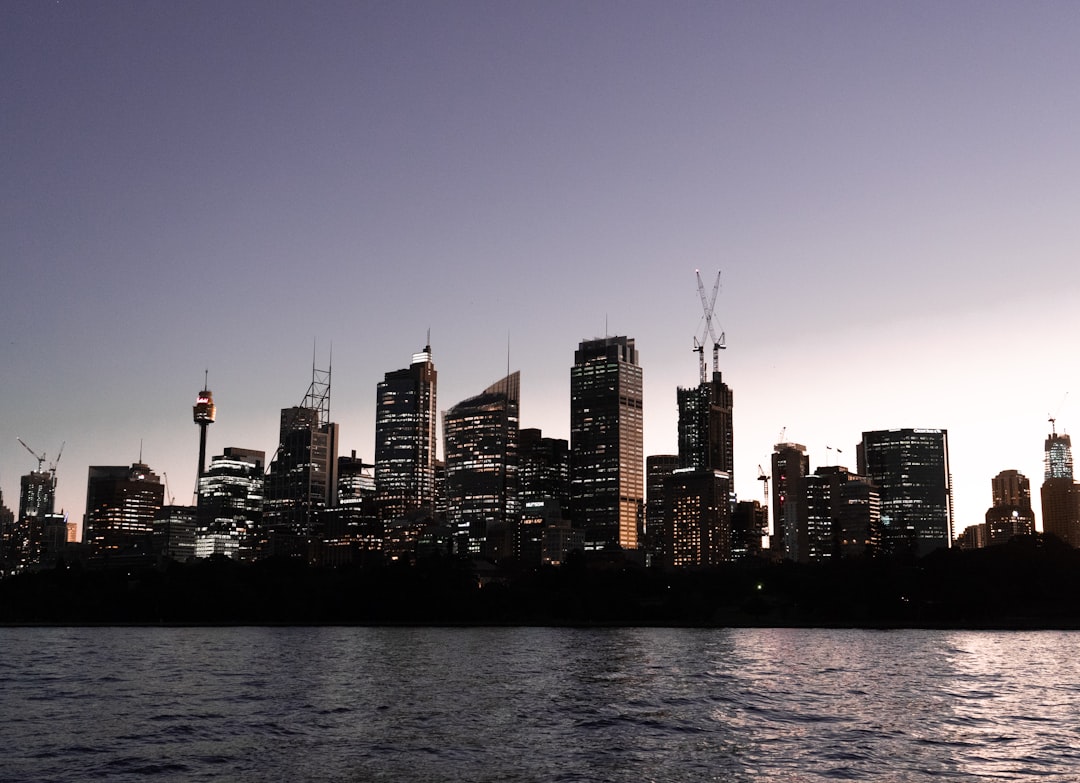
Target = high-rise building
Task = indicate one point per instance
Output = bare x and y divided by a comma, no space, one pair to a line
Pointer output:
910,468
607,483
1060,493
843,515
544,479
706,441
231,504
698,498
658,470
790,467
37,494
406,423
697,525
482,480
173,535
1011,514
302,479
120,506
749,525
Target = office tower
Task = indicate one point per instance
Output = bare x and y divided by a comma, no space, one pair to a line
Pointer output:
482,481
843,512
1060,494
1011,514
607,486
749,525
544,482
353,532
697,505
203,413
790,467
230,509
697,524
706,441
658,470
302,479
173,535
120,506
405,438
910,468
37,493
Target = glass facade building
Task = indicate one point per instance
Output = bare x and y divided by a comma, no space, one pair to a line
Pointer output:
482,472
231,504
910,468
607,482
406,423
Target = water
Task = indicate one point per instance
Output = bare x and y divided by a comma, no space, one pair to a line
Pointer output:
536,704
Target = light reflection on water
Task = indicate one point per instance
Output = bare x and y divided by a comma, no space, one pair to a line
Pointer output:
537,704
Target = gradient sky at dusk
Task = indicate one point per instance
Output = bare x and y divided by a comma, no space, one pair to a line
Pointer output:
891,191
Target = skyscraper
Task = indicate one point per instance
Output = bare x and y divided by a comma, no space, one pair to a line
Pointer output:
406,422
658,470
790,467
697,497
544,479
910,467
231,504
302,480
482,481
607,483
706,440
1060,494
120,506
843,515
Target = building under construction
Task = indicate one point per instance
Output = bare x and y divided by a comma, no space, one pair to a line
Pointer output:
302,478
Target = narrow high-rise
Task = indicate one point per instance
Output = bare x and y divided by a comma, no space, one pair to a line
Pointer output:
910,468
607,482
790,468
482,481
406,423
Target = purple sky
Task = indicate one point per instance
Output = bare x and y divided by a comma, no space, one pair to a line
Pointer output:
890,191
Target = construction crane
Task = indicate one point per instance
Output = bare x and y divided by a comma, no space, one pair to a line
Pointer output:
708,306
41,458
763,477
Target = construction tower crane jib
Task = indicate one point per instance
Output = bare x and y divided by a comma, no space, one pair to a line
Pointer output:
708,306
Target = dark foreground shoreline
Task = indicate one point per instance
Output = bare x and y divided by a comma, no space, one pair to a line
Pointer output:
1029,584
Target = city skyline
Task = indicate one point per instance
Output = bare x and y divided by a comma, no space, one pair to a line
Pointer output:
889,192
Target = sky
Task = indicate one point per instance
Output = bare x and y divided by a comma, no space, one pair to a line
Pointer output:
888,190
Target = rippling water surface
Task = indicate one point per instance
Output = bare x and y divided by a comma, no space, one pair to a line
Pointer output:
536,704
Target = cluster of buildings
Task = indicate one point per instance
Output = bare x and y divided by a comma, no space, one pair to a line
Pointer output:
502,492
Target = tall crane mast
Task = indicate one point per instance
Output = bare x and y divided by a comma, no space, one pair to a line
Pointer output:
708,306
